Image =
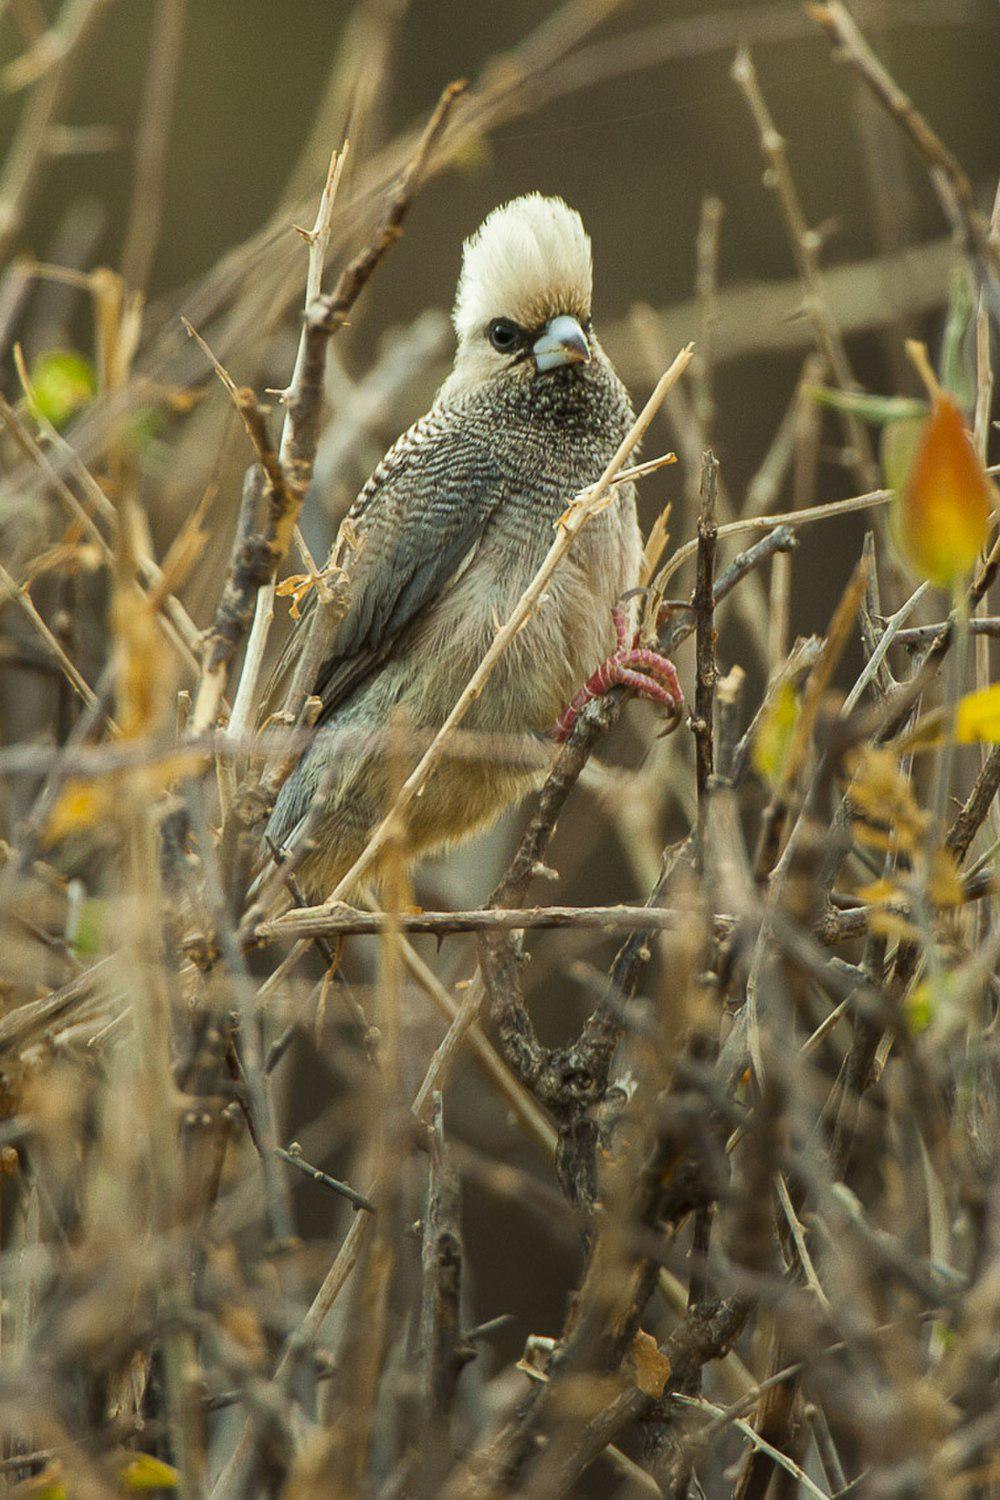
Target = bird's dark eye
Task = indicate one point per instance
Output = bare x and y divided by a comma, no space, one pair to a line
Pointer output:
505,336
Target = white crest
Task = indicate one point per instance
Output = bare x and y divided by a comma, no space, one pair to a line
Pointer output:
529,261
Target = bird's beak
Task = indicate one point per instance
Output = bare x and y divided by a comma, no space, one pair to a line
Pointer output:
563,343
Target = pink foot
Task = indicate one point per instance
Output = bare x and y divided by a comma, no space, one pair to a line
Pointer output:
644,670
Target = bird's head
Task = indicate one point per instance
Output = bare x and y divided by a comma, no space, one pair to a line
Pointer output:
523,303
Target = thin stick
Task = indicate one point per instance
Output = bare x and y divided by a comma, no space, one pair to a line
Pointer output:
706,295
150,156
181,629
889,634
805,440
343,1189
22,598
851,46
790,518
703,604
753,1437
805,244
26,155
329,921
318,240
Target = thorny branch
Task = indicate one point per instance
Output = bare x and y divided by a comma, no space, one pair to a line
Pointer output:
280,485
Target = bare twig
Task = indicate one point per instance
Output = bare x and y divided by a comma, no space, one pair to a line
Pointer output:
806,247
703,605
152,138
329,921
62,45
844,33
342,1189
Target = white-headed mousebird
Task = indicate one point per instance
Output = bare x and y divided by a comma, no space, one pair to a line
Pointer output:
446,535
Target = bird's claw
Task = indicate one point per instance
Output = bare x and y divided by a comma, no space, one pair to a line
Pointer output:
631,665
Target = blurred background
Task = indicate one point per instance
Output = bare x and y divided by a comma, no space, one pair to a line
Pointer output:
629,112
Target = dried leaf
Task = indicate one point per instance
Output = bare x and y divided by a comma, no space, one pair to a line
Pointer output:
296,585
656,545
881,839
244,1326
146,677
86,802
651,1367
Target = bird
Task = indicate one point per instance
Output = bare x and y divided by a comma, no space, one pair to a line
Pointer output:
443,539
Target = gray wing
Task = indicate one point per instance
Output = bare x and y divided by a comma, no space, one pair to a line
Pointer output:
418,519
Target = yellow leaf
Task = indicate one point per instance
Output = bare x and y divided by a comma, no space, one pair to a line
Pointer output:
144,1472
977,718
85,803
774,734
651,1367
945,504
882,796
81,804
945,884
889,924
878,893
880,839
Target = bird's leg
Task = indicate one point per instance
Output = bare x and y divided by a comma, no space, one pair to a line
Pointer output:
640,668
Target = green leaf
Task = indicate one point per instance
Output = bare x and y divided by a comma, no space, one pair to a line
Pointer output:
62,383
920,1008
88,931
879,411
774,734
957,371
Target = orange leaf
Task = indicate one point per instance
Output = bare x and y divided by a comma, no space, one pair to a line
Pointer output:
945,505
652,1369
